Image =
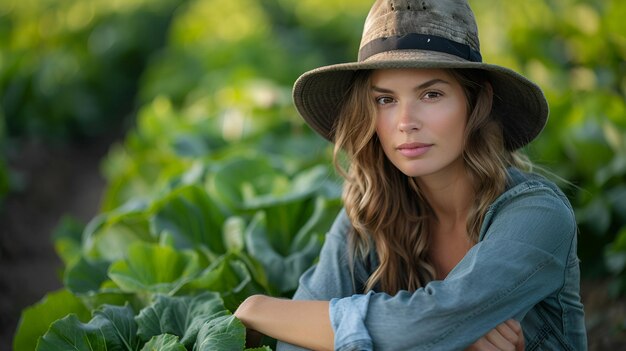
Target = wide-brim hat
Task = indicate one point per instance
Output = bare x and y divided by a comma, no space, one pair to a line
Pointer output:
422,34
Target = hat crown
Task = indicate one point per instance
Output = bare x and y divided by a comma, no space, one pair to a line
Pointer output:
452,20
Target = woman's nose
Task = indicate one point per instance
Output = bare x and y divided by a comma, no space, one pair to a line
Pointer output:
408,120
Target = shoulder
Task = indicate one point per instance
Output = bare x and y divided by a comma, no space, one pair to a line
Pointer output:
532,208
341,225
528,189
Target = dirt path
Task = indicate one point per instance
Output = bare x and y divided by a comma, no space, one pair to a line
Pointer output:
57,181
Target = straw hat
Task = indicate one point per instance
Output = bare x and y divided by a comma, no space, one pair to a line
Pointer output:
422,34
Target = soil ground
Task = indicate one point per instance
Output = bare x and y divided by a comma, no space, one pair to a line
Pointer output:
57,181
65,180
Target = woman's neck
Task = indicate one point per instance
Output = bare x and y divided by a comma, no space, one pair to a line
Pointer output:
450,196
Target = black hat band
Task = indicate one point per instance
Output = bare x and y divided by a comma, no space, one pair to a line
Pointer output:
415,41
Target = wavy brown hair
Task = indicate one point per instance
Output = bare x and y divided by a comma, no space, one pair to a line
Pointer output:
385,206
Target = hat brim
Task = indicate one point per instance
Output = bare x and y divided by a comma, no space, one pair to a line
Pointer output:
518,103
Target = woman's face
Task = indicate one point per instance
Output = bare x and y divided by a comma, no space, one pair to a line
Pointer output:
421,119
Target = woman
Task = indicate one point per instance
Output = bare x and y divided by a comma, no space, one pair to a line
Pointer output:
445,243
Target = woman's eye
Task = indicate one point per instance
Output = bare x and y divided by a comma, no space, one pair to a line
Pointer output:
432,95
383,100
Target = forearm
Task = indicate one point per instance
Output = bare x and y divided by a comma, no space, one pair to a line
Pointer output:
303,323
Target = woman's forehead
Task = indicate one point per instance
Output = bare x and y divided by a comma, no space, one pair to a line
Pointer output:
394,75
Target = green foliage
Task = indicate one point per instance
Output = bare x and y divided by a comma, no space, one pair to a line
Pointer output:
169,323
60,336
164,342
219,188
198,322
182,316
70,68
37,319
284,263
152,269
192,218
67,237
203,232
221,192
221,333
112,327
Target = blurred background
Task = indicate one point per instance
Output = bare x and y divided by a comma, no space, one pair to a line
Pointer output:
106,103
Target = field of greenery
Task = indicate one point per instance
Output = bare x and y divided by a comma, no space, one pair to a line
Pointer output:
219,191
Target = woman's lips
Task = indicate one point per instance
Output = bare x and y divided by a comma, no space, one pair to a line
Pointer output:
413,149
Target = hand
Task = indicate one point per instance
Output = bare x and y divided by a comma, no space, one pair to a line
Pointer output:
507,336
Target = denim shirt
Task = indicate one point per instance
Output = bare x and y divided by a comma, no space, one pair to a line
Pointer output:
524,266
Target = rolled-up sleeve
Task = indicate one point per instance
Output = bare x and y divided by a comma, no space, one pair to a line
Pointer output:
519,261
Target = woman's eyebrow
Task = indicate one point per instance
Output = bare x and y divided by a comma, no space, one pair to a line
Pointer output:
431,83
419,87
